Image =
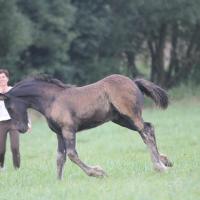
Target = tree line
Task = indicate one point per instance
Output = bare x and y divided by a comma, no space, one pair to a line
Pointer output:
82,41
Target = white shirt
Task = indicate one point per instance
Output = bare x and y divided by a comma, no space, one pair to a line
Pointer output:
4,115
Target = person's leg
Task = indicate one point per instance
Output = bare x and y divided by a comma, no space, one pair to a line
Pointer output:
14,144
3,136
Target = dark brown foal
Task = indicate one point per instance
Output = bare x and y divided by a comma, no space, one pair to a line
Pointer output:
7,127
69,109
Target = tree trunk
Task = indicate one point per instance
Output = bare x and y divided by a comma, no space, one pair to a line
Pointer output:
132,69
174,63
156,47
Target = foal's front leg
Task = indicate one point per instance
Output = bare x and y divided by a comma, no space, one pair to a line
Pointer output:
61,156
70,139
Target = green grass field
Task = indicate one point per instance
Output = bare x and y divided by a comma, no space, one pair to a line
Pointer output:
120,152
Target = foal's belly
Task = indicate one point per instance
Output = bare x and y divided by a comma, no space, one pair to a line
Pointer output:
94,119
89,124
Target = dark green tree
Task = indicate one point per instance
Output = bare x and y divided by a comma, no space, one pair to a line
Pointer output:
51,24
15,35
89,50
159,28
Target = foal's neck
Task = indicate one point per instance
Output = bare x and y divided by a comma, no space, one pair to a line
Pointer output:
42,100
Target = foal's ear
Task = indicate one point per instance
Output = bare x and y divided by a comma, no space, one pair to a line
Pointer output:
3,96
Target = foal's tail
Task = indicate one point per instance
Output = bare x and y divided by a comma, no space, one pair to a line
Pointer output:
153,91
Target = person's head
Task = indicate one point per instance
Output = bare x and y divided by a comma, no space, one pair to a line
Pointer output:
4,77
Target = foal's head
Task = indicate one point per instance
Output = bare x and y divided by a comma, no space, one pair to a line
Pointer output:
29,93
17,109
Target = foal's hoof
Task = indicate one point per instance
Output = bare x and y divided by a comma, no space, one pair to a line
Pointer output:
97,171
160,167
165,161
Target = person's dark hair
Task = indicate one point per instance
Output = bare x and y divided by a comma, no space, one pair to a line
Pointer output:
4,71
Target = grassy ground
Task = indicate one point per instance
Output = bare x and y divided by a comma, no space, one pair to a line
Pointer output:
121,153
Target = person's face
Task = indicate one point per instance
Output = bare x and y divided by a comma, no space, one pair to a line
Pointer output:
3,79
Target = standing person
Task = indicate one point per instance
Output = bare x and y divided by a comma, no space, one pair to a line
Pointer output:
7,125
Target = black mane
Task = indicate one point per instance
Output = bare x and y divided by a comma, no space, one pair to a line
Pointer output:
49,79
45,78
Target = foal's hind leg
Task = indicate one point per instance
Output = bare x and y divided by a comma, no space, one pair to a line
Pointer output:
148,136
147,133
61,156
70,139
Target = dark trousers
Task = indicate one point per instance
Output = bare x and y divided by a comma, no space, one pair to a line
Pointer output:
7,127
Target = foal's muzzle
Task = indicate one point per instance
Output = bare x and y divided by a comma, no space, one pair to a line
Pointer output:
22,128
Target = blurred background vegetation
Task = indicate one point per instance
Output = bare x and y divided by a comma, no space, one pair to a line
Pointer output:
81,41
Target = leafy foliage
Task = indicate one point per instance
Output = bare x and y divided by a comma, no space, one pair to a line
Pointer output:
82,41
